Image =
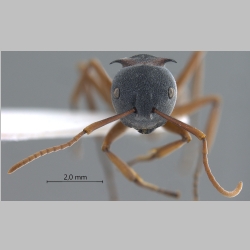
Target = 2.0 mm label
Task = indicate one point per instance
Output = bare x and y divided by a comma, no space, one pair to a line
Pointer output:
70,177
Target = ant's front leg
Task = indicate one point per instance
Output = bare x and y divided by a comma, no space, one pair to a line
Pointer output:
126,170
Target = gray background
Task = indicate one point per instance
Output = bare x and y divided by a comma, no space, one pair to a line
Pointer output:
46,79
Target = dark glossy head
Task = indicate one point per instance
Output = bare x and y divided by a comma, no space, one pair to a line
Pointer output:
144,83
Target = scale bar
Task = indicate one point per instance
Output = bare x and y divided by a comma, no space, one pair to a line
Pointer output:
74,181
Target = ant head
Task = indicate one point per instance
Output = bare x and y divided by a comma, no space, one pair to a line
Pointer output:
144,83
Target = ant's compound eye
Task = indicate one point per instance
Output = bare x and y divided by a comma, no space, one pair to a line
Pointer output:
116,93
170,92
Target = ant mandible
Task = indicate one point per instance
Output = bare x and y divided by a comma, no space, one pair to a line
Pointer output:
144,94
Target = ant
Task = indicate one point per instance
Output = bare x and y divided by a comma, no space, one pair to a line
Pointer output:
144,95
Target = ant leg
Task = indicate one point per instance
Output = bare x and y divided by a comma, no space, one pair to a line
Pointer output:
107,170
101,89
196,91
94,75
166,149
189,69
127,171
106,80
210,129
197,81
80,86
201,136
